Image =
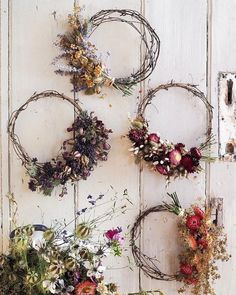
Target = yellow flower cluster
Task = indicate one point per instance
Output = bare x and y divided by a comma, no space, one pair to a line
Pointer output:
90,74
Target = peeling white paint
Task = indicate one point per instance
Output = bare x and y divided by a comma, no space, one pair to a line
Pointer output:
227,116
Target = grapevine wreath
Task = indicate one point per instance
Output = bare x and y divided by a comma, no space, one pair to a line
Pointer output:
167,158
78,155
86,68
203,244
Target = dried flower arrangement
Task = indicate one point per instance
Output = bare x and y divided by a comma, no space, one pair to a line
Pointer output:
204,243
60,262
163,156
83,65
78,155
43,260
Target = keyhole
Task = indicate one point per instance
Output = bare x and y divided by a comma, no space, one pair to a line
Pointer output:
229,96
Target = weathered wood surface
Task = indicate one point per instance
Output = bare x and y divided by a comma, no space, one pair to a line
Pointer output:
197,42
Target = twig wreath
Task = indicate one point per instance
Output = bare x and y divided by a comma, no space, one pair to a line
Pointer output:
78,155
203,244
86,69
163,156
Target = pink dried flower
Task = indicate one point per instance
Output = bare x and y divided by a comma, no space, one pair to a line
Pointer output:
161,169
115,235
153,137
175,157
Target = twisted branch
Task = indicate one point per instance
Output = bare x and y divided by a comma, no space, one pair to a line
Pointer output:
146,100
148,36
148,264
20,151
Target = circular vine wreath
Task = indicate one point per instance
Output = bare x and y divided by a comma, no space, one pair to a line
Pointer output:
165,157
78,155
86,69
203,244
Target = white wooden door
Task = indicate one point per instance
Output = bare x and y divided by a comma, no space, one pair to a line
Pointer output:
197,42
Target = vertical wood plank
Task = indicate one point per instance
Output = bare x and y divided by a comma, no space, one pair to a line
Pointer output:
178,117
4,99
223,179
123,43
42,127
182,27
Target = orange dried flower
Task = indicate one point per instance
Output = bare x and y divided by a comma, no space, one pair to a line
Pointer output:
192,242
98,71
85,288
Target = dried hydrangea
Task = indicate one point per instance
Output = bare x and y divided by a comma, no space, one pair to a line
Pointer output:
80,154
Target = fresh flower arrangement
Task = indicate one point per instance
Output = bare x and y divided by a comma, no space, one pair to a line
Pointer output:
82,63
203,242
78,156
167,158
61,262
163,156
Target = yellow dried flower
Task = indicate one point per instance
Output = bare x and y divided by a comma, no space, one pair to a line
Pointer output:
78,54
90,67
83,60
102,288
90,83
97,71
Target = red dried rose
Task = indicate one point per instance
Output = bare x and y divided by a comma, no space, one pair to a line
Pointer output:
179,146
188,164
175,157
186,269
136,135
199,212
161,169
153,137
193,222
196,153
203,244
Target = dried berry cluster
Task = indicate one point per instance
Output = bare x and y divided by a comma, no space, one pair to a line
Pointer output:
171,160
204,243
87,145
